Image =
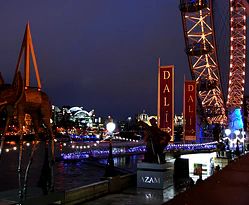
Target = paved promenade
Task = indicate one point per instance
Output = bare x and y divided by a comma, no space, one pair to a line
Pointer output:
137,196
230,186
130,196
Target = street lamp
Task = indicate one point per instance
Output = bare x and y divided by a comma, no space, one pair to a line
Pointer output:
228,141
110,171
227,132
237,132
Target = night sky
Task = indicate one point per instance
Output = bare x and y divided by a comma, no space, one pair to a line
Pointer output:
99,54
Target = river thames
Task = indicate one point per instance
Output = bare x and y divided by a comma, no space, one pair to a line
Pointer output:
67,175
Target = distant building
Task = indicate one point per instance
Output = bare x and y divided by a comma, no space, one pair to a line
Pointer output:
145,117
75,116
178,120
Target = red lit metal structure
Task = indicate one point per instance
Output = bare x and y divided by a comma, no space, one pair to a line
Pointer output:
200,43
26,48
237,55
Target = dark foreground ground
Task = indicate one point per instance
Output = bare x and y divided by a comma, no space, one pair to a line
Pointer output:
230,186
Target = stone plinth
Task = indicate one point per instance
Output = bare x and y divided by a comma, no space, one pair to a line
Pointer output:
154,176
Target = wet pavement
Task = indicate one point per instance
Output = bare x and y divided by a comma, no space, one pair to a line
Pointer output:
137,196
228,186
72,175
129,196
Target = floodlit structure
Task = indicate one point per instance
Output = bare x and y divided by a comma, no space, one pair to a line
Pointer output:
237,56
198,25
77,115
200,43
81,116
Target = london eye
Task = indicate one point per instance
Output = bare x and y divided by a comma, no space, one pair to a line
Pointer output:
201,49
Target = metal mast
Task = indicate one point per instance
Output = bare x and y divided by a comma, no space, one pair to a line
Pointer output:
199,36
26,48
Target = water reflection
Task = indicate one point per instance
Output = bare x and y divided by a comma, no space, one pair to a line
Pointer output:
164,195
127,162
68,175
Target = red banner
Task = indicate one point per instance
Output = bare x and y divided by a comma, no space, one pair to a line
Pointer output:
190,109
166,99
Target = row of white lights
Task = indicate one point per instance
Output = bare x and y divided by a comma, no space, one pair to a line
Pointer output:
236,132
15,148
110,127
95,144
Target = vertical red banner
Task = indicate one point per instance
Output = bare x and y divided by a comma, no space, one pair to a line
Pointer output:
190,109
166,99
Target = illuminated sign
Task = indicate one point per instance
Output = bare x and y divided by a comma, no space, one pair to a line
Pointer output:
151,180
197,169
190,109
165,111
155,176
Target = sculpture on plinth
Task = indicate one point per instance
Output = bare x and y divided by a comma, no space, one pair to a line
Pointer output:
18,101
156,141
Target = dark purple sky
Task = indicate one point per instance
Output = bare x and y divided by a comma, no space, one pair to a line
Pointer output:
99,54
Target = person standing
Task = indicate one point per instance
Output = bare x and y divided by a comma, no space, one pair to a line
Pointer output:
211,166
216,132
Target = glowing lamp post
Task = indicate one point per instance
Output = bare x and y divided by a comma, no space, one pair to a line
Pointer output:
237,132
237,151
227,132
110,127
110,163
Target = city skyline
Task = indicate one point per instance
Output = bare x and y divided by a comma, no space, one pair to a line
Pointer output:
101,55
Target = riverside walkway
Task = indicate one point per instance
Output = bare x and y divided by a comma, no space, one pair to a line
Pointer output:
136,196
229,186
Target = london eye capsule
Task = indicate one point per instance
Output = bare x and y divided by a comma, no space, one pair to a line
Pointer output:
197,49
192,5
236,25
236,4
207,84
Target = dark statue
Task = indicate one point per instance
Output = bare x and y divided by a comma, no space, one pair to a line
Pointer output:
45,178
156,141
18,101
